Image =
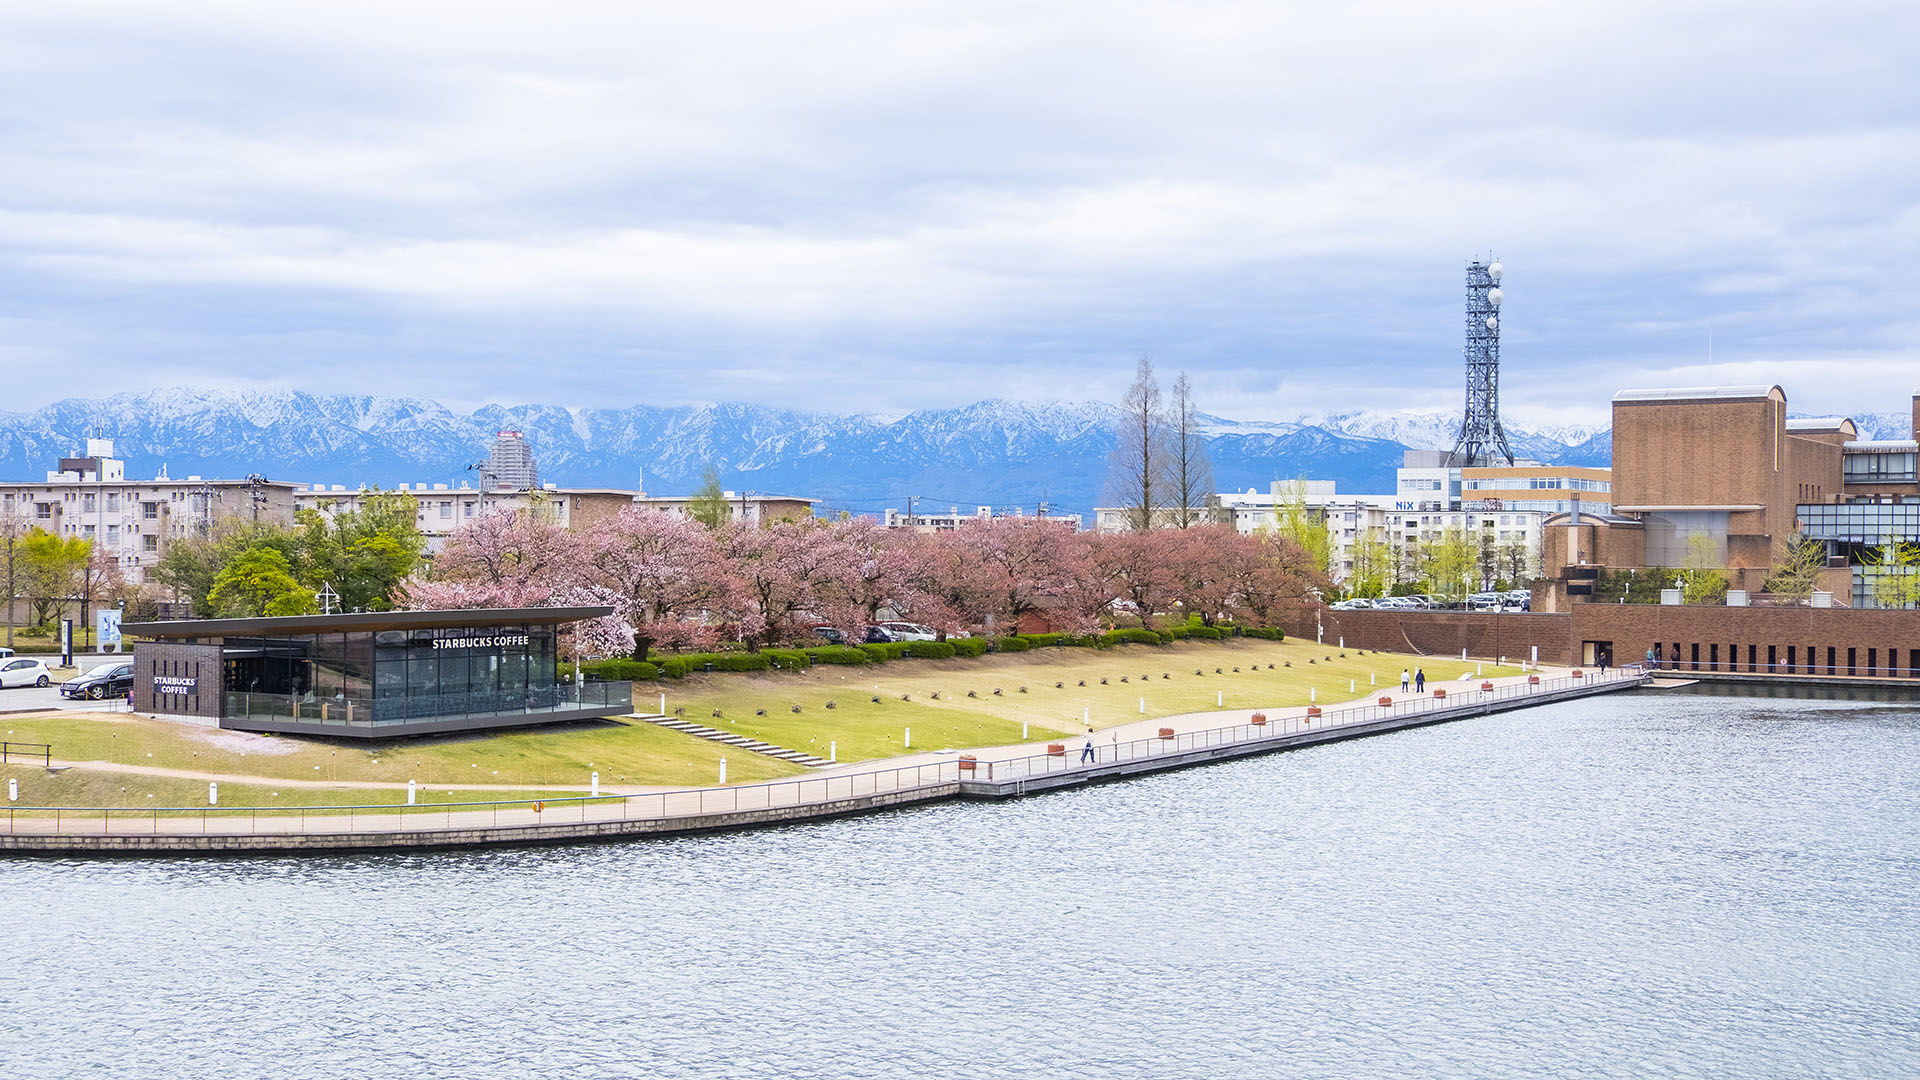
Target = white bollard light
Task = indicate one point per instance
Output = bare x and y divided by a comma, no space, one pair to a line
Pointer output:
907,743
723,770
213,794
833,751
1372,679
596,783
1313,694
1143,706
1479,669
1219,698
410,793
1350,686
13,789
1023,731
663,704
1085,714
1463,654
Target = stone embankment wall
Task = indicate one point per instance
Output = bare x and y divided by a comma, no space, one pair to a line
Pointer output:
1767,640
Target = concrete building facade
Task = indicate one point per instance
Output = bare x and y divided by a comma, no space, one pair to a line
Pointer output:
91,497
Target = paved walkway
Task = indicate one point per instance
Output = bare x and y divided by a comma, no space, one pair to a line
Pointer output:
846,784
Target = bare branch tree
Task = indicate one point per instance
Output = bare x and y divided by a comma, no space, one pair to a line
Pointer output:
1136,474
1188,469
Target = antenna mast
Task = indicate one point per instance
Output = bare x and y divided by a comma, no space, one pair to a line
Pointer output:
1482,441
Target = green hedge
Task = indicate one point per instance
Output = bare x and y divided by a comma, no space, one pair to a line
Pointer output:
1264,633
786,659
968,646
621,669
1132,636
1176,633
839,654
930,650
1011,644
1043,641
881,652
1207,633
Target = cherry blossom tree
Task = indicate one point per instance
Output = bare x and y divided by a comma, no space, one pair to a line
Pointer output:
791,569
892,577
666,577
513,547
1001,569
1137,571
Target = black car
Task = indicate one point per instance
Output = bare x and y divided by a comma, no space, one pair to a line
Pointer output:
829,635
880,635
105,681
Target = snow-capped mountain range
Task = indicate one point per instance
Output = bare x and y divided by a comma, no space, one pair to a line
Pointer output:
1000,453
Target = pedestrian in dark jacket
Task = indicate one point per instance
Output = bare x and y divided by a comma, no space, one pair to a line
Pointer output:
1420,680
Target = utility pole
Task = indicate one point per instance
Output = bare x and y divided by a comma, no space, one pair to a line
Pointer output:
910,521
256,494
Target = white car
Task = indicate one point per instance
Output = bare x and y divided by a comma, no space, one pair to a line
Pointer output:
906,631
23,672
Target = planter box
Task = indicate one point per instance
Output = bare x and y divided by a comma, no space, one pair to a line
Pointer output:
1439,693
1578,674
1057,749
1259,719
1166,733
1386,701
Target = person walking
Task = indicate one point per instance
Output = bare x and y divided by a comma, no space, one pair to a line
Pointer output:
1419,680
1403,680
1086,752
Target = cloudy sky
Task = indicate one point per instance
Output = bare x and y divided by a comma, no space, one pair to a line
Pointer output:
889,206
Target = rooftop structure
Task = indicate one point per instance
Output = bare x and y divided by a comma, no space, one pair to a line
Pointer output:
1482,441
367,675
510,465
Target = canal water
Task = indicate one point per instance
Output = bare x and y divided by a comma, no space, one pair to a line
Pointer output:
1638,885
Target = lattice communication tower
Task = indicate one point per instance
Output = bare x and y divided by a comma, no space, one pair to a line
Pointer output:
1482,441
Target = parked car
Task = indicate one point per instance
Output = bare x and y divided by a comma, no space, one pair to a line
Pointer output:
105,681
906,631
830,635
6,654
25,672
879,635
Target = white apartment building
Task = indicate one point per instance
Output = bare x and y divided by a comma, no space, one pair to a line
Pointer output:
90,496
445,507
953,518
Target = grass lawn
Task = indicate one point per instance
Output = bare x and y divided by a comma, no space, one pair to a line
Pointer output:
623,753
1164,675
79,787
1182,678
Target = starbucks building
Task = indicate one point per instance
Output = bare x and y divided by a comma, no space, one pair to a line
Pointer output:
368,674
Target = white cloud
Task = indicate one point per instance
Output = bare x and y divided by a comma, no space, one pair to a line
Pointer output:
1276,197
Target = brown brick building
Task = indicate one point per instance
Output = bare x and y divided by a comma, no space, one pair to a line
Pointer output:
1726,467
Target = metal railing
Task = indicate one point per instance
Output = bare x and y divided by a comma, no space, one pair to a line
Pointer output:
906,780
23,751
373,713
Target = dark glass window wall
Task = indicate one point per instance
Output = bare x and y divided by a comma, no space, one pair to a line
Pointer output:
404,673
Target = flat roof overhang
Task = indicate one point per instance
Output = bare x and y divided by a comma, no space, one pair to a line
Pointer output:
289,625
1730,507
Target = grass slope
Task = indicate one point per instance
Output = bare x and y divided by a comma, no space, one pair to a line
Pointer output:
1180,678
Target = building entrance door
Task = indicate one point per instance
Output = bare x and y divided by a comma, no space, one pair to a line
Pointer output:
1595,653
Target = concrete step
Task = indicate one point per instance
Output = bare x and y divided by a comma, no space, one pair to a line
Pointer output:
728,738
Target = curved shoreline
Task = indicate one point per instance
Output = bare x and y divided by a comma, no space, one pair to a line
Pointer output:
856,790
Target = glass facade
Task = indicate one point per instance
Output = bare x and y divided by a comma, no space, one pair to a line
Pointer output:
1860,522
1879,467
395,675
